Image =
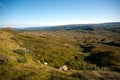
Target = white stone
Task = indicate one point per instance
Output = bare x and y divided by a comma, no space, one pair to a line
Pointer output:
45,63
64,68
38,61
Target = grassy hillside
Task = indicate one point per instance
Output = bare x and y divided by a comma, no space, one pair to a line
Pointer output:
87,55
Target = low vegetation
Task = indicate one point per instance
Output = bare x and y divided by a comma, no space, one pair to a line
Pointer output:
87,54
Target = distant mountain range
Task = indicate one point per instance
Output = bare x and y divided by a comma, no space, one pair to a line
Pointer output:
113,26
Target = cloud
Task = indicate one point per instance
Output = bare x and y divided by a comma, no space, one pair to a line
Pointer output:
2,6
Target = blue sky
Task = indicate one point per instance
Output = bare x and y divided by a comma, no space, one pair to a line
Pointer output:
26,13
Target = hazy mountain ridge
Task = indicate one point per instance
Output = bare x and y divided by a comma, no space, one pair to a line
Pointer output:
106,26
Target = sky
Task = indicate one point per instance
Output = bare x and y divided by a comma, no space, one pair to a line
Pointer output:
27,13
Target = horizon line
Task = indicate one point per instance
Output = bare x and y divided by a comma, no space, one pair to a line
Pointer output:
31,25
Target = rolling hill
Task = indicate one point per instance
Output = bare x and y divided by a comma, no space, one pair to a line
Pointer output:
38,54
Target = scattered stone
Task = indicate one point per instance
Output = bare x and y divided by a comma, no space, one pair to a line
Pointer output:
38,61
25,49
45,63
64,68
66,44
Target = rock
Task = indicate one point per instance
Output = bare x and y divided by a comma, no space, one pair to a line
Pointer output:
25,49
66,44
64,68
38,61
45,63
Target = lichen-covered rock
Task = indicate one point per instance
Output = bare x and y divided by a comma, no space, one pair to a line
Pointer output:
64,68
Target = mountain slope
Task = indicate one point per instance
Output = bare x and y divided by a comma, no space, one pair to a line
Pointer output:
23,53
